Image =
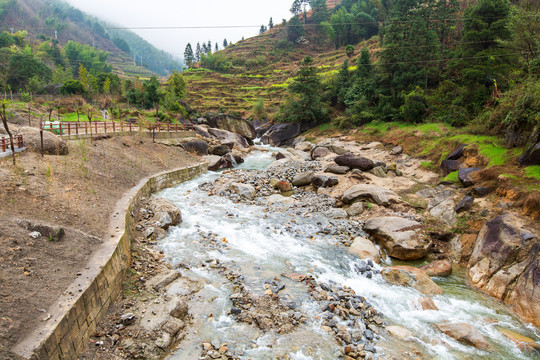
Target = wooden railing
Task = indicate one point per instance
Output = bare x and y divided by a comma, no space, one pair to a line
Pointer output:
17,141
108,127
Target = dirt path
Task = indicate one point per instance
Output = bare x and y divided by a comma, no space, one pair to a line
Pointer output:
77,191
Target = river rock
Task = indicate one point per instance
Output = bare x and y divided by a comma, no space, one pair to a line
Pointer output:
336,149
396,150
465,204
335,213
458,153
465,334
377,194
225,162
320,152
399,332
244,190
365,249
280,134
165,213
505,264
227,136
438,268
52,144
427,304
323,181
378,171
464,175
354,162
371,145
280,199
337,169
355,209
305,146
410,276
445,211
194,146
232,124
303,179
449,166
283,186
219,150
524,343
400,237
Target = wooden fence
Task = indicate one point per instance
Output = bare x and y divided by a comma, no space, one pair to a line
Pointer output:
107,127
6,145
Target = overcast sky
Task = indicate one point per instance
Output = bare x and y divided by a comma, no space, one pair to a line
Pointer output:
173,13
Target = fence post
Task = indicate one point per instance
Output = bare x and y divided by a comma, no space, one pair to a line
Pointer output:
96,126
105,126
113,127
129,127
69,129
3,144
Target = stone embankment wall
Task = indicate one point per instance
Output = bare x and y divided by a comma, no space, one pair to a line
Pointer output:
76,315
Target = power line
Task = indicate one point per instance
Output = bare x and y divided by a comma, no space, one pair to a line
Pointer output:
258,26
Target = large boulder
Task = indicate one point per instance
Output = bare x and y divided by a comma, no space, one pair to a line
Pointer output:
530,156
219,150
227,161
229,137
445,211
52,144
377,194
202,130
458,153
465,334
354,162
365,249
448,166
401,237
166,214
304,146
195,146
505,264
280,134
410,276
233,124
336,149
438,268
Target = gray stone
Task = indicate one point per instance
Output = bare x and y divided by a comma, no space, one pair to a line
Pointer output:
195,146
336,149
52,144
165,213
449,166
337,169
465,204
244,190
303,179
323,181
396,150
378,171
365,249
401,237
457,154
465,334
464,175
445,211
320,152
354,162
304,146
355,209
229,137
219,150
379,195
161,281
335,213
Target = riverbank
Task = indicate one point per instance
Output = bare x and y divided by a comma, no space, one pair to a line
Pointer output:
76,193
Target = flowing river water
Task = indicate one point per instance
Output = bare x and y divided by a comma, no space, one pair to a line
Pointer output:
261,244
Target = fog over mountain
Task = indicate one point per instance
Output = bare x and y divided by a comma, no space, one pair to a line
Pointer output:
181,13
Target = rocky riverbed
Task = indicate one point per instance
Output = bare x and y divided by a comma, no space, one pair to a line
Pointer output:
323,251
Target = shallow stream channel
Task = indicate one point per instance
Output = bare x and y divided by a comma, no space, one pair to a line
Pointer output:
276,284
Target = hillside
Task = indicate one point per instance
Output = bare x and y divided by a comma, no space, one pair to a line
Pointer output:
44,20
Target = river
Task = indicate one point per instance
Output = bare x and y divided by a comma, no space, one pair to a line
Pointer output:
261,243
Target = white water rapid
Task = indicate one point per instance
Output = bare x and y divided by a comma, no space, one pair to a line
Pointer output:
261,244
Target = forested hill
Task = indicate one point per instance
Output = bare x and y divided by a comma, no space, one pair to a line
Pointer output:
466,63
50,19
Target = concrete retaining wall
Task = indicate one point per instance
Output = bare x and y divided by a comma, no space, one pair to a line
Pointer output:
76,315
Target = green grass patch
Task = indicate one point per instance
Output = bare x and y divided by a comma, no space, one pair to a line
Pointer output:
488,146
532,172
452,177
428,165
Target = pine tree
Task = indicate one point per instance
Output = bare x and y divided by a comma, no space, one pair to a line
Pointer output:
263,29
225,43
216,48
295,29
271,24
198,52
305,103
209,47
188,55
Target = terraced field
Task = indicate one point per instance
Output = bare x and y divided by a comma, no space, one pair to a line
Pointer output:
262,68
